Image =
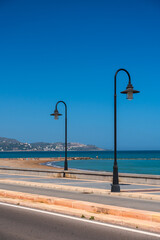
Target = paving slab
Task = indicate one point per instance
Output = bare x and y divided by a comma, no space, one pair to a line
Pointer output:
154,193
16,176
77,183
143,191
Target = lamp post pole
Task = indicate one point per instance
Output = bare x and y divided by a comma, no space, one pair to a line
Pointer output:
56,114
129,91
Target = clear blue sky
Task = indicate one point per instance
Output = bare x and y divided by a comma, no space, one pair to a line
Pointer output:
54,50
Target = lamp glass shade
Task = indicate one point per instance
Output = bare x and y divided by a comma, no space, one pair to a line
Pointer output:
130,95
56,117
56,114
129,91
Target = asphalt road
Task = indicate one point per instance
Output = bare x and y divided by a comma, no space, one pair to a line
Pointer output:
141,204
18,223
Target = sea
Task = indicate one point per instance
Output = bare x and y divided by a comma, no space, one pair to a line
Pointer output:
138,162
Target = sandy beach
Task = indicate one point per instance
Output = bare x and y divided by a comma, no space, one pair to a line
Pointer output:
34,163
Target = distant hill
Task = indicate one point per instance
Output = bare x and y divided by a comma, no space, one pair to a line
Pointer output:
8,144
8,140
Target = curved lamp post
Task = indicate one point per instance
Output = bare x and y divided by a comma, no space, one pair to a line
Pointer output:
56,115
115,187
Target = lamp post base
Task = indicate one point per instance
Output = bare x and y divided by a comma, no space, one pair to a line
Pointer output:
65,165
115,188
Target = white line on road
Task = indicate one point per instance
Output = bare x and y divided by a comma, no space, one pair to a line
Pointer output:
83,220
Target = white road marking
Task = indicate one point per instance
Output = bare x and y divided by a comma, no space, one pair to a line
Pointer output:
83,220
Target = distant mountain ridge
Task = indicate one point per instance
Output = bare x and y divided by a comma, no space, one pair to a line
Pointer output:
9,144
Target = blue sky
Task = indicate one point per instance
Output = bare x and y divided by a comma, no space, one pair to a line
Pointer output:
70,51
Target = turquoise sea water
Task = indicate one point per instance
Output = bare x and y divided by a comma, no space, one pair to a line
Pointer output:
141,162
124,166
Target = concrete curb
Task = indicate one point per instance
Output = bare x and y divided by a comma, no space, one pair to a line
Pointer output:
137,195
86,206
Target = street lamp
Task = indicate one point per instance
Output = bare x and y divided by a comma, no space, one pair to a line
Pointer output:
56,115
115,187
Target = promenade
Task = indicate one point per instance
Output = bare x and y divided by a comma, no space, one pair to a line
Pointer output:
136,206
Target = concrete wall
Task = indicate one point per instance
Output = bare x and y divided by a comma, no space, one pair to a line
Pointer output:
91,175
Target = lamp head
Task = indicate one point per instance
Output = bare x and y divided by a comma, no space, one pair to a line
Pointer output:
56,114
129,91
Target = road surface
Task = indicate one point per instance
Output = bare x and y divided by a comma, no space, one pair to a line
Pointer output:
20,223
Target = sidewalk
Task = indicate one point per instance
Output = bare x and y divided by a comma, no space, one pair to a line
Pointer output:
137,205
142,191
